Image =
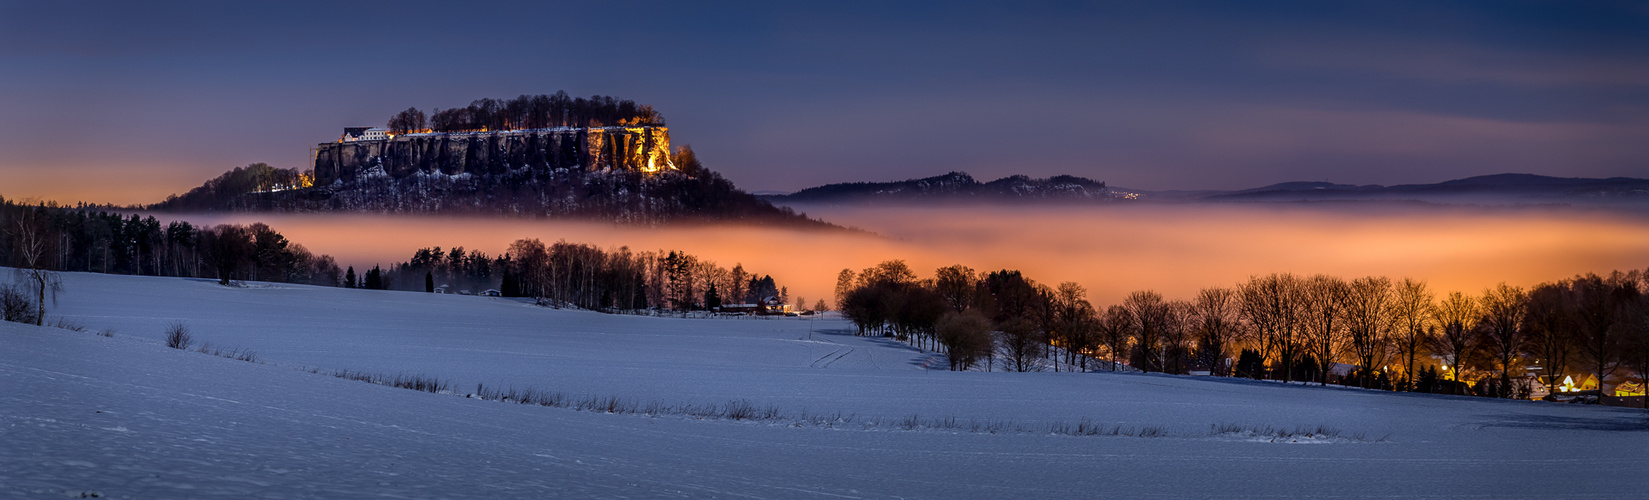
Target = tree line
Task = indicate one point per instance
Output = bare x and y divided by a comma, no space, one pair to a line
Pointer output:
48,239
585,276
528,112
87,239
43,239
1372,332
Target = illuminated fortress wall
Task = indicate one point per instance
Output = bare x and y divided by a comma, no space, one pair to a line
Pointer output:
643,149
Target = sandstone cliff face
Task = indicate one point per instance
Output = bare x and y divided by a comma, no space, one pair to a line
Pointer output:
620,174
632,149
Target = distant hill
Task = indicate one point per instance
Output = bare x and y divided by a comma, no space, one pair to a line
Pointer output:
955,187
1499,188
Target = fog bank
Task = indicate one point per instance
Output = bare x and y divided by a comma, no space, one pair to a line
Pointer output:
1111,250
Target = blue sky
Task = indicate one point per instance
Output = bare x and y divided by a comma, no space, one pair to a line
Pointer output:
126,103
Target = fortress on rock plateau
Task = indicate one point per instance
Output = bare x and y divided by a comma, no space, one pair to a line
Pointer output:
370,152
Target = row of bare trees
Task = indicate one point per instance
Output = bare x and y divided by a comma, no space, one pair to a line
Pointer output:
1380,325
997,319
528,112
1002,319
1371,331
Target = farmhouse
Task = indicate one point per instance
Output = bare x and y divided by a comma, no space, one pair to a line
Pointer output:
770,305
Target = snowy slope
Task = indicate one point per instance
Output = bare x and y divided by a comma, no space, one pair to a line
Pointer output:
184,424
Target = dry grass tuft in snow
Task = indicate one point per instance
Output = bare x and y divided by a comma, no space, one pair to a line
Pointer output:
413,382
1321,434
743,410
177,336
237,354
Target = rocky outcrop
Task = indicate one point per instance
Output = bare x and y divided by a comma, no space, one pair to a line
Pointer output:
596,149
620,174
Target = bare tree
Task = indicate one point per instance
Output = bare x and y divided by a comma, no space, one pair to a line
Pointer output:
957,285
1085,330
1021,344
888,272
966,337
1177,327
1218,326
1635,327
1324,320
1502,323
1600,304
1150,317
1456,314
844,285
1548,330
1073,325
31,240
1115,329
738,282
411,120
534,260
1368,323
1273,305
1411,314
1255,309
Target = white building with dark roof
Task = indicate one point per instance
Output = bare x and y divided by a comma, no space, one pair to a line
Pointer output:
352,134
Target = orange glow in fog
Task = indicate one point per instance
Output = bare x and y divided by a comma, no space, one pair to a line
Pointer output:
1111,250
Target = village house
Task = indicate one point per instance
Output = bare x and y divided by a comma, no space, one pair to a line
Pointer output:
352,134
770,305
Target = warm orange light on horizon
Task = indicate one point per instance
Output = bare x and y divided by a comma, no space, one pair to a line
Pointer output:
1175,250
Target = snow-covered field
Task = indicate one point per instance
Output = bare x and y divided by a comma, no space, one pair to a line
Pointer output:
128,418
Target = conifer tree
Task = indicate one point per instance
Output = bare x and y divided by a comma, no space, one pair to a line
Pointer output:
712,299
375,279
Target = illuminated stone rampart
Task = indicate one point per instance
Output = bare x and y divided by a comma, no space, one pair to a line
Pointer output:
641,149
